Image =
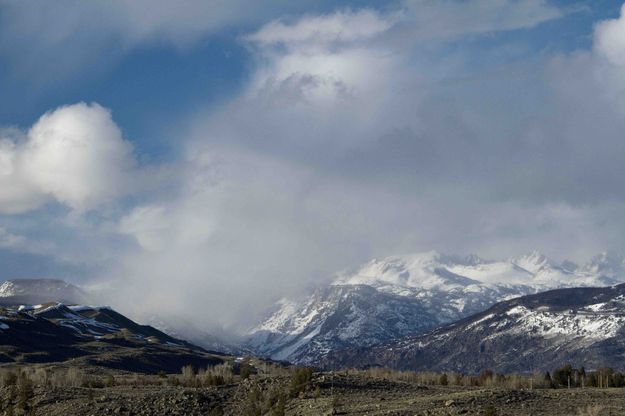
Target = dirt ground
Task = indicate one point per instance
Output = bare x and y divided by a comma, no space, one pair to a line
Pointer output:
328,395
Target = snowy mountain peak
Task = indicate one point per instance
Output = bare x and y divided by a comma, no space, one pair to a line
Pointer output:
428,270
42,290
534,262
472,260
569,266
403,294
606,264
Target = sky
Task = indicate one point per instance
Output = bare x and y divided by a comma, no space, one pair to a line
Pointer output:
206,158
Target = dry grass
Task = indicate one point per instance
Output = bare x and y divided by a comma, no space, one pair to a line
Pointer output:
592,410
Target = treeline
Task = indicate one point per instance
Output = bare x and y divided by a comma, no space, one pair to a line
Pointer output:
566,376
266,387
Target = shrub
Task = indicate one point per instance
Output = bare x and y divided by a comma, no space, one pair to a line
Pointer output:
275,402
110,380
486,376
246,369
74,377
490,410
592,410
213,380
279,408
300,381
9,379
563,375
188,372
253,403
25,392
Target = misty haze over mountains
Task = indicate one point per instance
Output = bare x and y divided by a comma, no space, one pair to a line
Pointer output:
380,301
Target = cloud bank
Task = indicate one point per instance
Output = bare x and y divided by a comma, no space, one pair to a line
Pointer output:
361,133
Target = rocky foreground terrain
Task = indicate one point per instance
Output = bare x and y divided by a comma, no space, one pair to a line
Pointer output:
274,394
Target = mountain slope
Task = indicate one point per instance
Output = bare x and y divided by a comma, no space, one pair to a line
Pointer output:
94,335
582,326
45,291
436,288
339,316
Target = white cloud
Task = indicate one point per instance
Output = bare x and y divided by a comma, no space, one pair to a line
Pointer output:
342,26
187,222
11,241
130,22
16,193
440,19
230,248
66,35
75,155
149,225
366,56
610,39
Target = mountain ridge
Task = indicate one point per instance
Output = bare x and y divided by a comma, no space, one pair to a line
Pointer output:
439,288
582,326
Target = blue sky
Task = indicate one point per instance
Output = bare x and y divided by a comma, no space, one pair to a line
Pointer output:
208,149
162,82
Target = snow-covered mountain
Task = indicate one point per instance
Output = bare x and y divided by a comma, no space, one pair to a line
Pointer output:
581,326
338,316
97,322
362,307
51,291
41,291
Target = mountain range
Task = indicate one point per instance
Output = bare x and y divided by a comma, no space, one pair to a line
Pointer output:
400,296
419,311
52,331
581,326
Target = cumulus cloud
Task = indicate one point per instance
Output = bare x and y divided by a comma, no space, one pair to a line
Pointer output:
75,155
610,39
354,52
321,59
16,193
